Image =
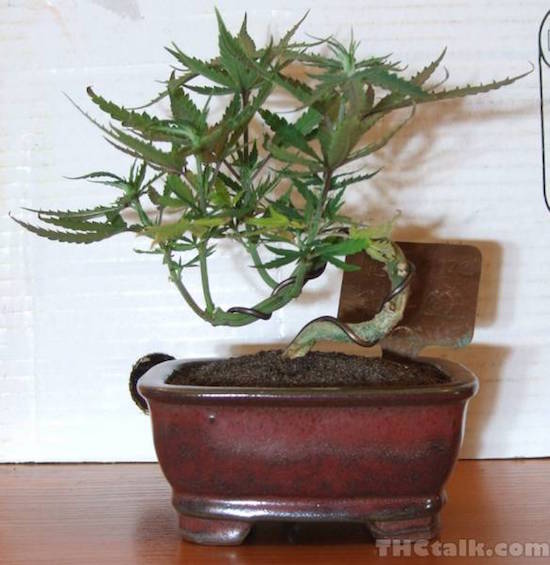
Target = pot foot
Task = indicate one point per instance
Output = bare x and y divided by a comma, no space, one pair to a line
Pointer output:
207,531
411,529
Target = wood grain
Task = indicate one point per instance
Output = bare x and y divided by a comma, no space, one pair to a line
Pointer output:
121,513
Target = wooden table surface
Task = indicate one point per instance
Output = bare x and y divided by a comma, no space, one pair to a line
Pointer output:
121,513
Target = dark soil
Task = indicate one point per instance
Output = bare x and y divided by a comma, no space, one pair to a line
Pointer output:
318,369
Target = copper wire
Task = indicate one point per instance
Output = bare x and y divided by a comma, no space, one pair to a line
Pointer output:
352,335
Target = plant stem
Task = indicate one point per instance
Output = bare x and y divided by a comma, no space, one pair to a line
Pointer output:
314,228
175,277
200,186
268,305
219,317
370,330
204,278
245,133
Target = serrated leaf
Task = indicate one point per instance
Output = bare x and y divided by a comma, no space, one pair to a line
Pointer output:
286,133
136,179
342,141
356,97
277,263
138,121
314,60
283,44
285,156
300,90
471,90
274,121
393,82
234,57
347,267
376,146
248,112
165,201
287,210
210,90
191,263
71,237
388,103
220,195
97,174
245,41
174,184
86,213
166,232
274,220
421,77
184,109
345,247
207,70
133,120
175,83
229,182
308,121
149,153
78,224
333,206
149,251
283,252
352,179
306,194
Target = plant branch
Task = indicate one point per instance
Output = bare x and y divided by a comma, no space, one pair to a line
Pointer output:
371,330
268,305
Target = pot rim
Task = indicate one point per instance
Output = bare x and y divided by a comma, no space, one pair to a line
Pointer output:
462,386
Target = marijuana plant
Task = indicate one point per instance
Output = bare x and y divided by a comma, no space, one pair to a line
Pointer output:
271,184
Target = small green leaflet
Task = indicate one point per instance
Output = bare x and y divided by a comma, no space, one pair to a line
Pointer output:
165,201
175,185
274,220
184,110
347,267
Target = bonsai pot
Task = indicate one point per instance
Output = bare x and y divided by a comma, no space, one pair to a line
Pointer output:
236,456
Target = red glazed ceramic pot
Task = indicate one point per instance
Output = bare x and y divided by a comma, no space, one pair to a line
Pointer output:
236,456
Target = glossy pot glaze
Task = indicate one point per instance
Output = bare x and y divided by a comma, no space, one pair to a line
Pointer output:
236,456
